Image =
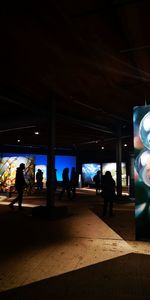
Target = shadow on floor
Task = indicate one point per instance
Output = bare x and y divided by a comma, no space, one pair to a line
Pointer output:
125,277
123,221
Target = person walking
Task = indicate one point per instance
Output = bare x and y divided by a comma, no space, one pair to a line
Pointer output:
55,180
97,181
108,192
65,183
73,182
20,184
39,179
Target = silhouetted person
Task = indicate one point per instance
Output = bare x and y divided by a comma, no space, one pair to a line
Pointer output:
39,179
55,180
108,192
65,183
97,181
73,181
20,184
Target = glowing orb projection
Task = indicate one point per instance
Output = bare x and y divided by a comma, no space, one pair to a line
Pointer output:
142,165
141,122
144,130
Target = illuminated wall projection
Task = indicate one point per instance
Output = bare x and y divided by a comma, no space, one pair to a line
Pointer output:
112,167
10,161
8,166
64,161
41,163
141,120
88,172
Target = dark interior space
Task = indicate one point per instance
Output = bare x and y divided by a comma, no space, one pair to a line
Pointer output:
91,57
72,73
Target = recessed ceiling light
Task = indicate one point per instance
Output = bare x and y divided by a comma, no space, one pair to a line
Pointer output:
36,132
125,145
18,141
102,147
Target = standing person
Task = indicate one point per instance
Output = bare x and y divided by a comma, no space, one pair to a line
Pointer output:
20,184
73,182
55,180
65,183
39,179
97,181
108,192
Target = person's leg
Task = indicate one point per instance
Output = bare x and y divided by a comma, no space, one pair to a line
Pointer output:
61,193
68,193
73,192
14,200
111,208
105,206
20,198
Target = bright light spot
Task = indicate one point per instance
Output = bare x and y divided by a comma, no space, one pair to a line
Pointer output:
102,148
139,209
146,122
125,145
144,158
36,132
18,141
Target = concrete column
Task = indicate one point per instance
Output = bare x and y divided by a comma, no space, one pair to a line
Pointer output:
118,161
51,155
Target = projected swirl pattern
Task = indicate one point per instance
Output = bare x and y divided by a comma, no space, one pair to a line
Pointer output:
141,120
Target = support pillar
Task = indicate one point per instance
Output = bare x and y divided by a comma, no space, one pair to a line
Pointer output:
118,161
51,155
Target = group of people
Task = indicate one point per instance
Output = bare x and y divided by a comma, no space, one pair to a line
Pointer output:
106,185
69,184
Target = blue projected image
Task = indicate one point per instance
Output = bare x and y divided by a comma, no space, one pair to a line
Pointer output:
40,159
88,172
62,162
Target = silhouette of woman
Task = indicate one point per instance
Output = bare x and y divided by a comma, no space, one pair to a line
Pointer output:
108,192
65,183
20,184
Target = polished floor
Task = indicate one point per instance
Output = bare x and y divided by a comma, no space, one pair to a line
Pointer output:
80,256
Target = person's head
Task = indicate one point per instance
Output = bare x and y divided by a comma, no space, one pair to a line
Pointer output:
22,166
108,173
65,170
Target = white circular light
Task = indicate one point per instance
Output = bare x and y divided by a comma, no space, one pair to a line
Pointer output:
144,158
146,123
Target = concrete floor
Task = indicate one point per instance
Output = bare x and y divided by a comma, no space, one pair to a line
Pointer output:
34,249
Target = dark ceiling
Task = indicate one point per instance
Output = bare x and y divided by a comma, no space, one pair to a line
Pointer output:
91,57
